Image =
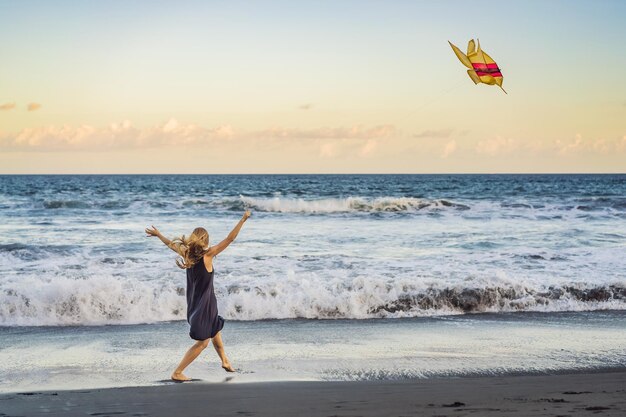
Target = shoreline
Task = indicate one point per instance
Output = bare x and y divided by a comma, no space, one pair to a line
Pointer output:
567,394
486,345
520,315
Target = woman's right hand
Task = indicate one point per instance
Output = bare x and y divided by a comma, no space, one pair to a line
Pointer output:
152,232
246,215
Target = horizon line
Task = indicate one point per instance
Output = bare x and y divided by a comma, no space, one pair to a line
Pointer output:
313,173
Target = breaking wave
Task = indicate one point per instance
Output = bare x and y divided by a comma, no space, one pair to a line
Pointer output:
111,300
330,205
93,301
348,204
266,204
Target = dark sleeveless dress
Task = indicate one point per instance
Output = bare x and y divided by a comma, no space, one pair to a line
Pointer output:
201,303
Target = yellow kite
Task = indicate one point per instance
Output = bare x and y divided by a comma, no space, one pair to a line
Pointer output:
482,69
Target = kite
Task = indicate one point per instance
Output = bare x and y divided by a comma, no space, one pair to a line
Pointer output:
482,68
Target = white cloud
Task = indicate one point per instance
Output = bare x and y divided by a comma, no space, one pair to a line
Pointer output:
124,135
449,149
563,147
328,150
7,106
497,146
440,133
369,147
598,145
355,132
115,136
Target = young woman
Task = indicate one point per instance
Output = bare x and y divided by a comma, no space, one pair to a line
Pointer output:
196,257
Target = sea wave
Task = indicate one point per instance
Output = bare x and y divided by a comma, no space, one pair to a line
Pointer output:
364,298
279,204
62,301
30,252
354,204
34,301
348,204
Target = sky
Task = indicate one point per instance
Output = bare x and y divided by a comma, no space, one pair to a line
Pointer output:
216,87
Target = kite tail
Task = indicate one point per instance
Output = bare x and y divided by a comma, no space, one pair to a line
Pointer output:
503,89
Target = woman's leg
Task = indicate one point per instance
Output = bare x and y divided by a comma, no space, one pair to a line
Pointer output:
219,348
189,357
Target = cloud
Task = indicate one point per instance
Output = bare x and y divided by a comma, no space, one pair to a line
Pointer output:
598,145
369,147
115,136
124,135
328,150
440,133
336,148
307,106
33,106
7,106
355,132
449,149
497,146
563,147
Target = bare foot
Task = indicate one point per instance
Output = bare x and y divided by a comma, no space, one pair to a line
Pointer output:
228,367
180,377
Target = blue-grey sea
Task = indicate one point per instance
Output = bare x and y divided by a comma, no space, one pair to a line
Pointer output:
333,277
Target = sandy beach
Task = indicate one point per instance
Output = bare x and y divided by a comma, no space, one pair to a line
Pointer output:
580,394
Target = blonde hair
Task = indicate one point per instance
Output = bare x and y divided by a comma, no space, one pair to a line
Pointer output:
191,249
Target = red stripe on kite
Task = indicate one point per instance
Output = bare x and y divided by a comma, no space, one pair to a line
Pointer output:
489,68
493,74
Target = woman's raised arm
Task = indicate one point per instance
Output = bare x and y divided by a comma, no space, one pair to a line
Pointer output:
154,232
231,236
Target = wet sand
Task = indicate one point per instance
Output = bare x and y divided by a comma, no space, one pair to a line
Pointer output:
578,394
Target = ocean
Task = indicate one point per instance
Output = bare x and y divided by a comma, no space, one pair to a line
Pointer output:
333,276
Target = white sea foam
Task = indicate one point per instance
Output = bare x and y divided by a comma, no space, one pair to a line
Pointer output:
348,204
32,301
110,300
351,204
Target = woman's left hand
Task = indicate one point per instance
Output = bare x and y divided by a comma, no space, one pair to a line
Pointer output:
152,232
